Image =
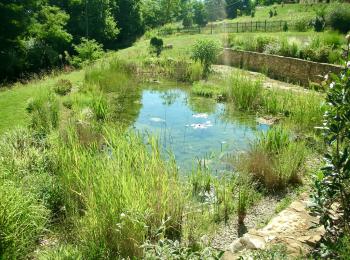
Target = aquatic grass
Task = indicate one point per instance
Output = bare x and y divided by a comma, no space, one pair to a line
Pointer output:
302,111
275,160
117,197
206,89
244,92
110,75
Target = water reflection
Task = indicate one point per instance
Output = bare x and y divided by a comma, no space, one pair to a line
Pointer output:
194,128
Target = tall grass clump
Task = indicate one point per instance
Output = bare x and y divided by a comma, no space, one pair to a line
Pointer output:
44,113
275,160
118,196
244,92
22,221
110,75
27,161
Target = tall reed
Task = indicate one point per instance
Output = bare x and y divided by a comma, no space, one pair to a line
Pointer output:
119,196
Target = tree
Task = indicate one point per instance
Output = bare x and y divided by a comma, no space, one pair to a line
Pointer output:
127,14
90,19
216,9
200,13
49,36
187,21
15,20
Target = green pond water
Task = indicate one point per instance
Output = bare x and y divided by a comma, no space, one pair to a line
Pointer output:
195,129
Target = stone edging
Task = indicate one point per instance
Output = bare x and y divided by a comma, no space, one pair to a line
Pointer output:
279,67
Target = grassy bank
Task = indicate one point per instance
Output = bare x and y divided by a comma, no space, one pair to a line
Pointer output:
95,189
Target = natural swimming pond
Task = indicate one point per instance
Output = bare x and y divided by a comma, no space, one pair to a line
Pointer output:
194,128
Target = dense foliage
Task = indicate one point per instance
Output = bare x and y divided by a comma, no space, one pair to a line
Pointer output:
205,51
332,185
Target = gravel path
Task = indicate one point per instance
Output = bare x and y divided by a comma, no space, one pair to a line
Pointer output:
260,213
267,82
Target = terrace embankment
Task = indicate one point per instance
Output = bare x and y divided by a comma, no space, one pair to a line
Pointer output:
284,68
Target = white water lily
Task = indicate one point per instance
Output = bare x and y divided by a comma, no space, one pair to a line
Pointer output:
200,115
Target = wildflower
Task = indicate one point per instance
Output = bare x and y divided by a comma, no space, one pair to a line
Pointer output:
332,85
122,215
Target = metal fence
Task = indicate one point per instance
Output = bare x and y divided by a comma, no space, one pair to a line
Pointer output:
253,26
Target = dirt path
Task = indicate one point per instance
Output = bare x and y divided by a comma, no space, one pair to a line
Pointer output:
267,82
293,227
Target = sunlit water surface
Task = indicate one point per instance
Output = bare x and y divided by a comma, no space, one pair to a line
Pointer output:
195,129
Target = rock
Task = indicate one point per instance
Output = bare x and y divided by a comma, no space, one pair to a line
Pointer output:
236,246
168,46
253,242
205,240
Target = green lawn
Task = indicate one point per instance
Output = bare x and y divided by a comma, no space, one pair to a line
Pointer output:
287,12
13,100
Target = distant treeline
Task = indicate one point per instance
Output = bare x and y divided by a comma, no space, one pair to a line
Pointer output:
38,35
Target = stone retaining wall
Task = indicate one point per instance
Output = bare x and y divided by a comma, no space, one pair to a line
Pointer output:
279,67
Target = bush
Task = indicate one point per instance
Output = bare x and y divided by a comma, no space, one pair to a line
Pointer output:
302,25
319,24
285,27
339,17
88,51
63,87
22,222
205,51
156,45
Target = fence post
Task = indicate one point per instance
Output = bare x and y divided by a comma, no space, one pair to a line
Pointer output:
211,28
265,25
251,26
237,26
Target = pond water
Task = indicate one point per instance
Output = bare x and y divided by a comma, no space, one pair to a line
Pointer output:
195,129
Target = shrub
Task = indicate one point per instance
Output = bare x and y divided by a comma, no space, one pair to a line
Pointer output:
262,41
302,25
332,183
63,87
339,17
156,45
168,249
319,24
205,51
44,112
87,51
285,27
271,13
22,221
